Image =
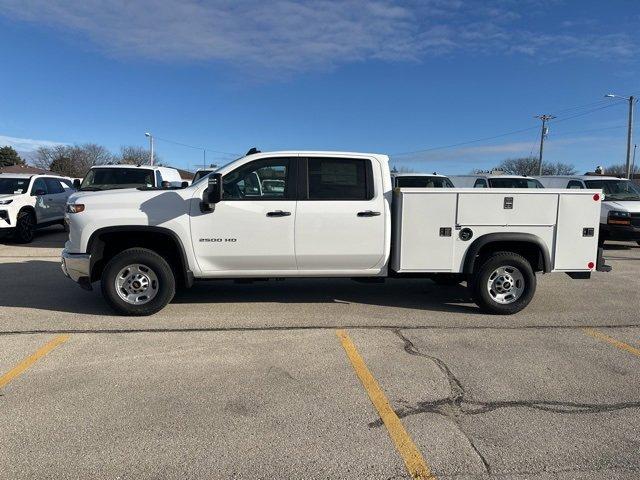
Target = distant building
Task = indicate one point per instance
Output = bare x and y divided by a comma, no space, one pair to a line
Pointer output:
25,169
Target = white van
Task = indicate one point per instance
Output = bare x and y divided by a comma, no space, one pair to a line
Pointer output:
111,177
420,180
620,213
494,180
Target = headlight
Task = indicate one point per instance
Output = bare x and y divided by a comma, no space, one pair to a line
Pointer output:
75,207
619,214
616,217
6,202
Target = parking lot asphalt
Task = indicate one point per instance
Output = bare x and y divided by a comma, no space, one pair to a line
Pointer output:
318,379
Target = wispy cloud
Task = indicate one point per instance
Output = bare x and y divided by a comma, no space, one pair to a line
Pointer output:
26,144
303,35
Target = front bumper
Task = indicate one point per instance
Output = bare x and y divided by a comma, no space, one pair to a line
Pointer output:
77,266
620,232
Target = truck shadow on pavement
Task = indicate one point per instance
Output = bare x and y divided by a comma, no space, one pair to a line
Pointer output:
40,284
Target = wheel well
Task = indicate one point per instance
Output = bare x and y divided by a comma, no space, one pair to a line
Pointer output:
103,246
29,209
529,250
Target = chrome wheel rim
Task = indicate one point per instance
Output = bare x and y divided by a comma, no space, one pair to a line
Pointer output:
506,284
137,284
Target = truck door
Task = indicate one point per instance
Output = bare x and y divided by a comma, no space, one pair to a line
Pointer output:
340,223
251,231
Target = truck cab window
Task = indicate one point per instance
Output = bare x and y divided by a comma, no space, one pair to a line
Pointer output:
574,184
339,179
259,180
480,183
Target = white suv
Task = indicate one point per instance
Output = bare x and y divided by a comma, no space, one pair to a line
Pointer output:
29,201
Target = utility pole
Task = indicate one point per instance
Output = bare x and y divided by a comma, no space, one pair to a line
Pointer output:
543,133
629,136
147,134
631,101
633,162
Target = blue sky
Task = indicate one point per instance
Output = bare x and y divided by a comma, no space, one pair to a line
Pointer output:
381,76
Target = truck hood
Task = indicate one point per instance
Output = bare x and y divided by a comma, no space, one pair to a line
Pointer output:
632,206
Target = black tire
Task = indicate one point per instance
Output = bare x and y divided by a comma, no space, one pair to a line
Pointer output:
165,288
483,296
447,279
25,227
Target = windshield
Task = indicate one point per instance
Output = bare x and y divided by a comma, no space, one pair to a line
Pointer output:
514,183
112,178
421,181
13,186
616,189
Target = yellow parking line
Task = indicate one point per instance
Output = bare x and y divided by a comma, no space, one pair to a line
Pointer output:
30,360
616,343
416,465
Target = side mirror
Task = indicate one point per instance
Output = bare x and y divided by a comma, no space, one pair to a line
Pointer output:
76,183
184,184
165,184
213,193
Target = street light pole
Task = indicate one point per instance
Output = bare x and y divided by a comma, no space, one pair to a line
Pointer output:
147,134
631,101
629,135
543,134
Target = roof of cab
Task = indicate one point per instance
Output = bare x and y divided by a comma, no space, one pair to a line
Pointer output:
418,175
29,175
583,177
316,153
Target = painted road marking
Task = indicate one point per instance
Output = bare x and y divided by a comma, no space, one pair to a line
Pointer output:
415,463
616,343
30,360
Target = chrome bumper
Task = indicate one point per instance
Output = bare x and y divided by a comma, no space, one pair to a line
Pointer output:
77,266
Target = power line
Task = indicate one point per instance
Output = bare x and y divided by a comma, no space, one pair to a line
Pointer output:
193,146
581,114
465,143
589,130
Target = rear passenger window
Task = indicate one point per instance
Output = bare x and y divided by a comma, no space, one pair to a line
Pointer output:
480,183
53,186
574,184
340,179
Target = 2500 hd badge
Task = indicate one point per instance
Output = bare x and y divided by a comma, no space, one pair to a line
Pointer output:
216,240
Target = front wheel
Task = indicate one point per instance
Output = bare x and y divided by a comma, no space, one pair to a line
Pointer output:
138,281
25,227
504,284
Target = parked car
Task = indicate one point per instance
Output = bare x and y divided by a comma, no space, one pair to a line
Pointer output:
420,180
493,180
28,202
333,218
620,213
111,177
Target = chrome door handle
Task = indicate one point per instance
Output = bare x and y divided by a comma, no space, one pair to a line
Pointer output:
368,213
278,213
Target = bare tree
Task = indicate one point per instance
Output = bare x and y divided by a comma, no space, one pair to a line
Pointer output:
134,155
620,170
402,169
71,160
529,166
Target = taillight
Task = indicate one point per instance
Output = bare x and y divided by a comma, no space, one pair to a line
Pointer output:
596,197
590,265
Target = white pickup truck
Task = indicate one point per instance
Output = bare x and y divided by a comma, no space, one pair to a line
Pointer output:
326,214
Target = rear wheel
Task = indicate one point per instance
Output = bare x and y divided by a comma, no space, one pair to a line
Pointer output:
25,227
138,281
504,284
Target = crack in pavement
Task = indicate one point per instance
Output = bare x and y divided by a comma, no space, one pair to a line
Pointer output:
456,405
